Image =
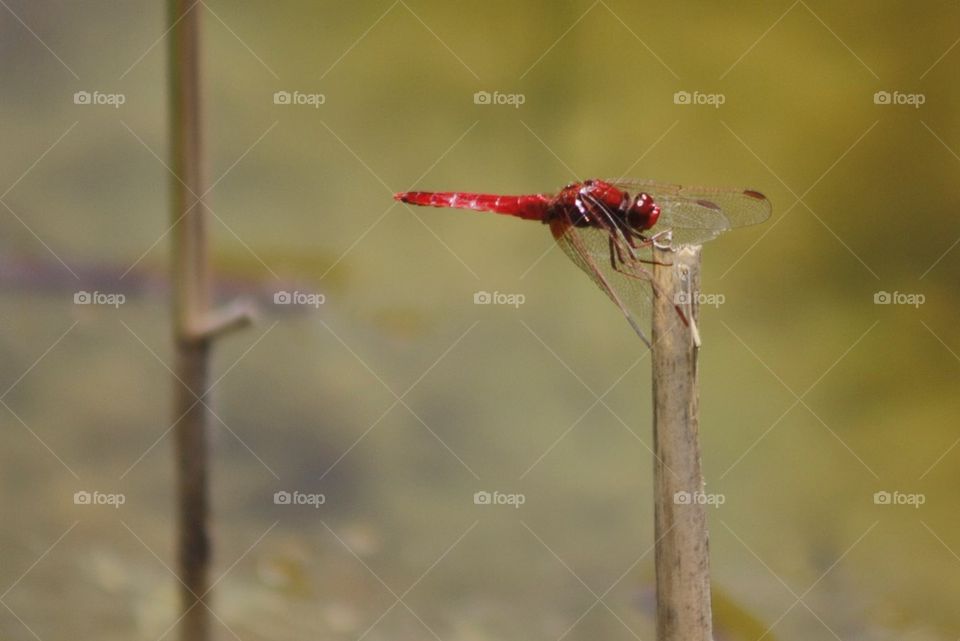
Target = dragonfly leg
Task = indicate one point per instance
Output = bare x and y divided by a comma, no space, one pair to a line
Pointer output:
615,256
647,242
610,223
617,260
653,262
644,242
661,234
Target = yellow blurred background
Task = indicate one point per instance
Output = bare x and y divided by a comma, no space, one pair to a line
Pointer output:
398,398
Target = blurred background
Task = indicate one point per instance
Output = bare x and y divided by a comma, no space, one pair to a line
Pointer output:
829,367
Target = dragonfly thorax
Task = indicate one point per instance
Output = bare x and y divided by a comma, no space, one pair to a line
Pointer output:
597,203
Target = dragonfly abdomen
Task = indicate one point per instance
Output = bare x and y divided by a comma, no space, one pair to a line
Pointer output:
529,207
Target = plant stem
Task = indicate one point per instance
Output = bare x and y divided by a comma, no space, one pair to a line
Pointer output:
682,548
194,325
191,278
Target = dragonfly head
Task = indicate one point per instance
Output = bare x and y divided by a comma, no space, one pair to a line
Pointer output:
643,212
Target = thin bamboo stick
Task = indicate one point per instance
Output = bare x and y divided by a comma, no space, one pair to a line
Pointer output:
682,548
195,326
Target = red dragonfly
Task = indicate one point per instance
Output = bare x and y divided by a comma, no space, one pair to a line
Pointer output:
609,234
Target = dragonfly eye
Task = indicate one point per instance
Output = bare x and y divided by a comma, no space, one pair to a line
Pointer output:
643,213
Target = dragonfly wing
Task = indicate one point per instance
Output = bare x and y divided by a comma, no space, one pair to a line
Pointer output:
698,214
629,288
